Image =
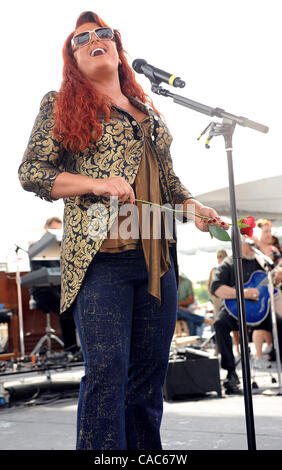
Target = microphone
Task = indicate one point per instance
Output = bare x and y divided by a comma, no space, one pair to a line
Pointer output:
157,75
259,253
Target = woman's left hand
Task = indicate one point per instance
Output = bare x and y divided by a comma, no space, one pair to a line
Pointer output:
213,218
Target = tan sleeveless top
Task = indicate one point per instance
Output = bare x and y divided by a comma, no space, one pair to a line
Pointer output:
145,235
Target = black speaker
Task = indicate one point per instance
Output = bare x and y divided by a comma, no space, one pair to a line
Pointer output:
191,374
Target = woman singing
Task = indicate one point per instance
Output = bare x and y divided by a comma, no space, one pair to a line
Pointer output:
98,139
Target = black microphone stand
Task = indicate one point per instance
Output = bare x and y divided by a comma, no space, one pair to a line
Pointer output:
226,128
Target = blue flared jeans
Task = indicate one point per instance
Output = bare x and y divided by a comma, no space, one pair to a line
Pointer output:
125,337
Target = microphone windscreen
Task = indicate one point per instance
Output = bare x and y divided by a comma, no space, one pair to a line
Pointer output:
137,65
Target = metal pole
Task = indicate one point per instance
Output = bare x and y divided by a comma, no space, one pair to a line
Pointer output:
20,308
237,259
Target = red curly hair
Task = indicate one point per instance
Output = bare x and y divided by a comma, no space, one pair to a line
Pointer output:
78,104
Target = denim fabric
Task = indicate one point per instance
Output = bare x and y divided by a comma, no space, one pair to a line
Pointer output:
125,338
194,322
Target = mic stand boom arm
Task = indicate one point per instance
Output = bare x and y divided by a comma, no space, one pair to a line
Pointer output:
226,129
209,111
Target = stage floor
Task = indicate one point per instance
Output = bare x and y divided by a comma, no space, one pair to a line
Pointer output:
195,423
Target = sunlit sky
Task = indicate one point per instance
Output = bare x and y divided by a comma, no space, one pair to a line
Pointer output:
228,53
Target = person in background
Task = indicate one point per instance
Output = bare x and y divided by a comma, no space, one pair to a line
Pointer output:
186,298
264,242
216,301
278,285
278,275
53,223
275,242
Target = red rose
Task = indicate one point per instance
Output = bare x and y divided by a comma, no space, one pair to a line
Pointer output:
250,221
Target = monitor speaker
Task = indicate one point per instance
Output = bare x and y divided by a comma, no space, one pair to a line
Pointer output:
191,374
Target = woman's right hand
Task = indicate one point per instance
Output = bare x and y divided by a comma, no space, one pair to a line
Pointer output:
114,186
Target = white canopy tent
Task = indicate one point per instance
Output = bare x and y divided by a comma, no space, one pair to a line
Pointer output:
260,198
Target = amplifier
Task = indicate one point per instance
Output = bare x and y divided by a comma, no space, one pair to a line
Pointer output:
191,373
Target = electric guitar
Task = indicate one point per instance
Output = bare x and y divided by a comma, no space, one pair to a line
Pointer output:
256,310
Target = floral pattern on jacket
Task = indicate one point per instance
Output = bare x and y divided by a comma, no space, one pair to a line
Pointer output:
117,153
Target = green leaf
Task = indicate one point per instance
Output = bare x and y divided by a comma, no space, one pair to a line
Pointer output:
219,233
243,225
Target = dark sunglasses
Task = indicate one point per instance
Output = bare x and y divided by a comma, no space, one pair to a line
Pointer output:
81,39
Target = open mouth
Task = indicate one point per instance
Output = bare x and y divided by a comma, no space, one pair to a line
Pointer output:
97,52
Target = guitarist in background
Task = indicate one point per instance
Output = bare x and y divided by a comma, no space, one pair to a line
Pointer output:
222,284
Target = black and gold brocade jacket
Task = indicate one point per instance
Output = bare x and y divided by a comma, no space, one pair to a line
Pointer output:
117,153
